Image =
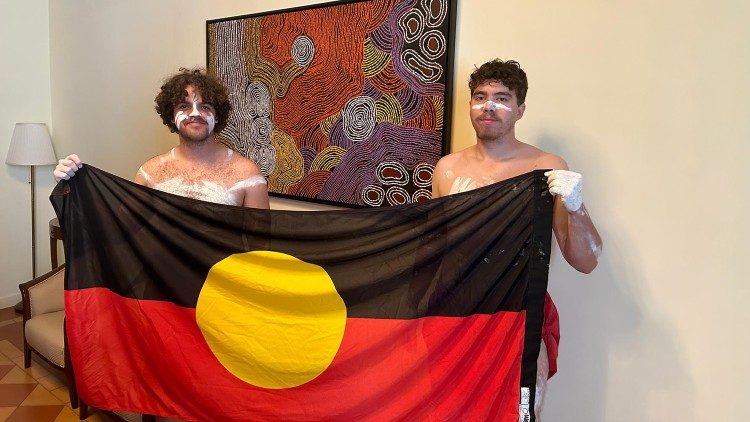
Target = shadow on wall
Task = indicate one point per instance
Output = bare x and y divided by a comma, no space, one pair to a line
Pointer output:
619,357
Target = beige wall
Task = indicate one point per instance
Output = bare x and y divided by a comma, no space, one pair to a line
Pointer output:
25,89
647,99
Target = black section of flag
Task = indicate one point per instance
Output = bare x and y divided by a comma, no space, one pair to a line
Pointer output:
477,252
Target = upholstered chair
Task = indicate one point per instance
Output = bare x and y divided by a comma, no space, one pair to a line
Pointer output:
44,327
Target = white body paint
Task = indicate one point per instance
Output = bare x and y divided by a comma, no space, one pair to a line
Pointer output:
203,190
491,106
208,191
569,185
596,247
463,184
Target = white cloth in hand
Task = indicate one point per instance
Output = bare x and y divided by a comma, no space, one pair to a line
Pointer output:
569,185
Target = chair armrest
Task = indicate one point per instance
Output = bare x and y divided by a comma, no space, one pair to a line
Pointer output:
44,294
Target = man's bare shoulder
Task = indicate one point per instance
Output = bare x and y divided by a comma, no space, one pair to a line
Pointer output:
541,159
245,166
153,167
156,161
150,168
451,159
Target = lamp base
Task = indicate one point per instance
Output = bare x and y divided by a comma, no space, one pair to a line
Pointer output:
18,307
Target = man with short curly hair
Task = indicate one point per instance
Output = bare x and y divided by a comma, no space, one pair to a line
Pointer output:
195,105
498,101
173,92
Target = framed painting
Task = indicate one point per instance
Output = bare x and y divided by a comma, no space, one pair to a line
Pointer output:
345,103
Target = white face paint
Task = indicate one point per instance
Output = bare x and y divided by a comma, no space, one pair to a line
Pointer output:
211,120
179,118
181,115
491,106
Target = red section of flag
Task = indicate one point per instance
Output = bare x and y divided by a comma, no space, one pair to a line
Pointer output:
150,357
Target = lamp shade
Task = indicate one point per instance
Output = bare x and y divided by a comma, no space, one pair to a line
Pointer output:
30,145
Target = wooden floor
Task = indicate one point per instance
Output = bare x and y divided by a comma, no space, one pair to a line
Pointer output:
36,394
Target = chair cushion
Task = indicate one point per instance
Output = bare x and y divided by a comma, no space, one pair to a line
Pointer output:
47,296
44,333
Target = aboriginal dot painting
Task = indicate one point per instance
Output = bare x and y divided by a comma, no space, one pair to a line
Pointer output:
342,103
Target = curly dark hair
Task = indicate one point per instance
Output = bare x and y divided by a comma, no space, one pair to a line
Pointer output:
173,93
509,73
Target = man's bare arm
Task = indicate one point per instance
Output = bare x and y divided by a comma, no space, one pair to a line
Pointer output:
576,234
577,237
256,196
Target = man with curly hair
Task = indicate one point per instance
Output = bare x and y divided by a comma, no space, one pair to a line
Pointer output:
498,94
195,105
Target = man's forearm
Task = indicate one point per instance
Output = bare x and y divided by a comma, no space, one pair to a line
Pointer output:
582,244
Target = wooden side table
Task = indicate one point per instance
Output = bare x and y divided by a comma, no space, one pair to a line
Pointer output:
55,234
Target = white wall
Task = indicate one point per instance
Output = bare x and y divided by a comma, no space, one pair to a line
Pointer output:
25,88
647,99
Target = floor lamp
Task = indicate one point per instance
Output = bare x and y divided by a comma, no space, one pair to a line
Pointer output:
31,146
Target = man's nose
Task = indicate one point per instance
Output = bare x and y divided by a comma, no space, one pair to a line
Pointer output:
490,106
195,111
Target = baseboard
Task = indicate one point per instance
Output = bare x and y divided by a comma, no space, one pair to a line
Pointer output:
10,300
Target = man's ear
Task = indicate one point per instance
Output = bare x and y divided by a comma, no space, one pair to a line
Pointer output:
521,110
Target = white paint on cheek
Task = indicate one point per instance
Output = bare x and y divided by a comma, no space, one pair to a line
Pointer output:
179,118
211,121
491,106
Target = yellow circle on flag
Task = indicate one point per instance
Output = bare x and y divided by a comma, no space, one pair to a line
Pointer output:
272,320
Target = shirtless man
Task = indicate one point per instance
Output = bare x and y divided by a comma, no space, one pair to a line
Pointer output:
195,106
498,93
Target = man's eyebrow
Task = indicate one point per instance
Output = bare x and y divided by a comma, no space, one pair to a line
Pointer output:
496,94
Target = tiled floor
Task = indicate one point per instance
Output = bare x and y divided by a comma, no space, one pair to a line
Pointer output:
36,394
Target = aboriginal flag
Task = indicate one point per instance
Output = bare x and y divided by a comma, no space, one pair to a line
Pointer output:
199,311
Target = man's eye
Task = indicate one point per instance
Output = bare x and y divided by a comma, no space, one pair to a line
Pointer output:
182,106
479,98
207,107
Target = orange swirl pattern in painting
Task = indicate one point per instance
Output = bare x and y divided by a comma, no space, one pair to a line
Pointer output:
330,68
387,80
311,184
427,118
